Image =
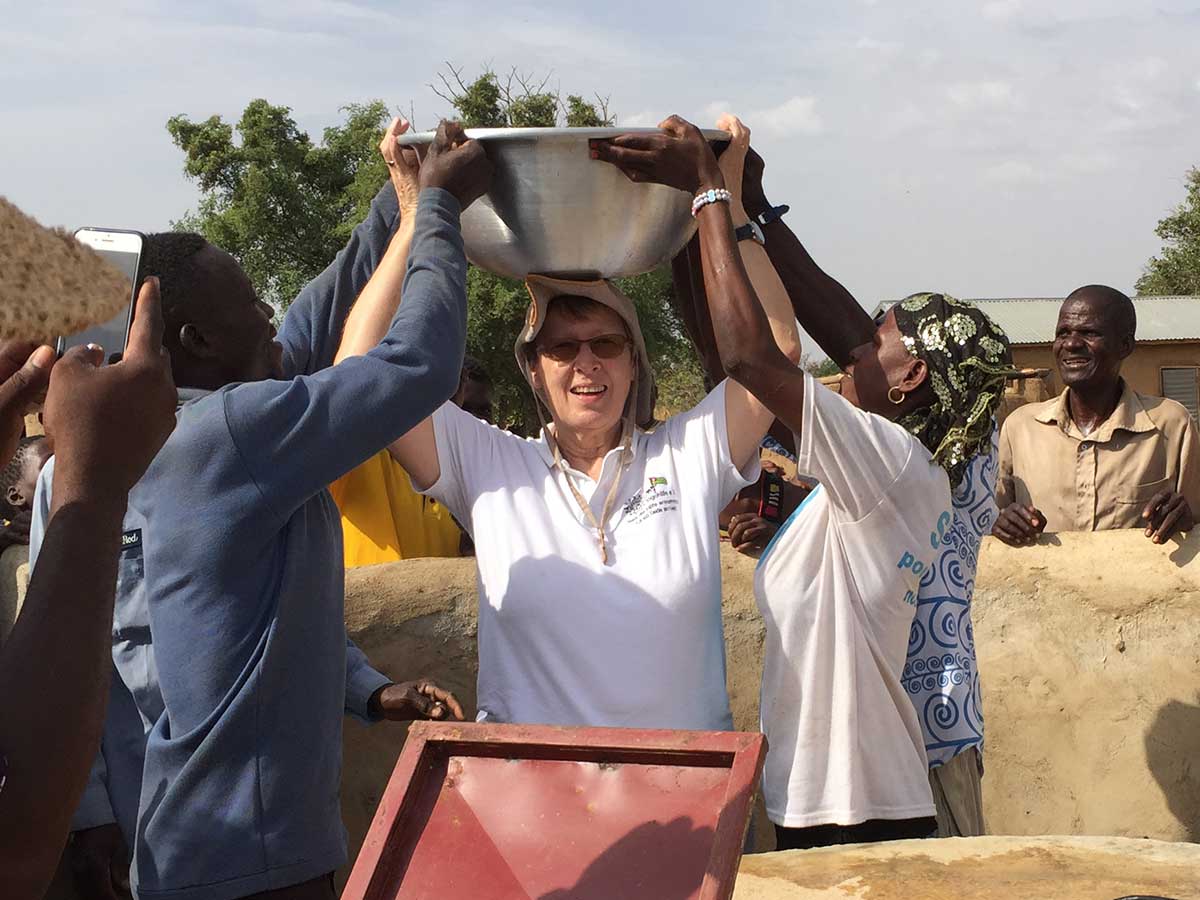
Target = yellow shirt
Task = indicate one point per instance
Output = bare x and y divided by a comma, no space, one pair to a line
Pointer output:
1102,480
384,519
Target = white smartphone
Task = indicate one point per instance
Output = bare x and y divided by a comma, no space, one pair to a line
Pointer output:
123,249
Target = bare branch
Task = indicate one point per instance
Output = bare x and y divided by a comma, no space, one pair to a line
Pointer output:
602,107
450,96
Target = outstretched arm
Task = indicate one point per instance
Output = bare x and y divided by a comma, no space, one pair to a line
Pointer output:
826,310
376,306
314,324
758,349
368,401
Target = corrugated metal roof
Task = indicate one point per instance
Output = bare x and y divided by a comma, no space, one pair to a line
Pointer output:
1031,320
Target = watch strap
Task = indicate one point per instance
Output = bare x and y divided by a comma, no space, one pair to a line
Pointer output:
751,231
773,214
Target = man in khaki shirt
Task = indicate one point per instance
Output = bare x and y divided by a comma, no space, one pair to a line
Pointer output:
1100,455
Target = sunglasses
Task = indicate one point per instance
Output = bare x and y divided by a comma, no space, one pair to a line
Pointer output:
606,346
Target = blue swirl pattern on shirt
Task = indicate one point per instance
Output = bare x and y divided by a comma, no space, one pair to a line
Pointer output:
940,675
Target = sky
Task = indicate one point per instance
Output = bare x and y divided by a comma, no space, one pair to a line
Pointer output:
984,148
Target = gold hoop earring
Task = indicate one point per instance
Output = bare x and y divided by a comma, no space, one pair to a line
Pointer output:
895,395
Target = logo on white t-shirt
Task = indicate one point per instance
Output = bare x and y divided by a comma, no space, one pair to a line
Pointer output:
655,498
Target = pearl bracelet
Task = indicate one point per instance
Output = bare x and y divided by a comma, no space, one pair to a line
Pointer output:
712,195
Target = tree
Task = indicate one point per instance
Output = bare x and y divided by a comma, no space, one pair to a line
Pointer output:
1177,270
280,204
284,206
516,102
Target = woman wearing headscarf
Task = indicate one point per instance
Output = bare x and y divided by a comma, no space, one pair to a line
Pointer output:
598,556
838,585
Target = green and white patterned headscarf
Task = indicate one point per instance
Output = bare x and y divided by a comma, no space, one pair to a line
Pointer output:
969,359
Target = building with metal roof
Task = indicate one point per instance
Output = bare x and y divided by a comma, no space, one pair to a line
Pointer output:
1166,361
1031,320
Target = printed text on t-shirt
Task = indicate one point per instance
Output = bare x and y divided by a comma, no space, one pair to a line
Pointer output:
908,559
657,497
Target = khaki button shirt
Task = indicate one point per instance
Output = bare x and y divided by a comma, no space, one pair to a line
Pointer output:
1103,480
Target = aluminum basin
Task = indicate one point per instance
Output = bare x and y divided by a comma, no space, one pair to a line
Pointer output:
553,210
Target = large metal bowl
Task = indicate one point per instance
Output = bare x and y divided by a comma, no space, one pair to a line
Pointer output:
553,210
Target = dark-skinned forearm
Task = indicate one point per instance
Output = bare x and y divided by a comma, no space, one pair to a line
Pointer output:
824,308
59,654
742,331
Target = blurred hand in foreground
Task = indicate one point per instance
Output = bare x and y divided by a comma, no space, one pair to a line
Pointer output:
109,422
24,374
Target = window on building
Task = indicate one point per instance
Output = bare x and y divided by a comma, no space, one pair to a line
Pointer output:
1183,386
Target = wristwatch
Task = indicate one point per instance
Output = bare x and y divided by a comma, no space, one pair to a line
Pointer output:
750,231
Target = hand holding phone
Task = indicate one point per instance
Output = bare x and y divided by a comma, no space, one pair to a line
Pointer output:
108,423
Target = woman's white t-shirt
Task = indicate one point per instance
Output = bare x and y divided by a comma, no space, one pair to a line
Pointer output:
563,638
837,588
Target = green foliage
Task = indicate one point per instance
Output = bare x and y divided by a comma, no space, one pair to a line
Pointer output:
284,206
581,114
1177,270
280,204
821,369
516,102
676,366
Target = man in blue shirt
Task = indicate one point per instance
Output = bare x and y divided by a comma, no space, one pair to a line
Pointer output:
232,545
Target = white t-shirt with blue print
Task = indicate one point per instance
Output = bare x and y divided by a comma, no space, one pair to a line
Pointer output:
837,589
941,676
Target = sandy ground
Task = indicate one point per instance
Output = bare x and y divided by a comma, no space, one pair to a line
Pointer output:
989,868
1090,663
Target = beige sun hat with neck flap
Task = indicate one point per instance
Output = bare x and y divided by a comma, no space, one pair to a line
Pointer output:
542,290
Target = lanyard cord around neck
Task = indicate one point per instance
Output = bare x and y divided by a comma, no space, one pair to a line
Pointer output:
625,459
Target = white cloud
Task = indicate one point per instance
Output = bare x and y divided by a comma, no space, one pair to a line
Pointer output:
929,57
1089,162
905,118
981,94
714,111
1001,9
1151,68
795,116
644,119
1012,171
1124,99
872,45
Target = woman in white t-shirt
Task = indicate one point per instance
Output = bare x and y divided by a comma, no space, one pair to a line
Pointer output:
838,585
596,542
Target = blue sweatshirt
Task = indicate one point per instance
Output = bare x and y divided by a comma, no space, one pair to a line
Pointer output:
114,784
243,575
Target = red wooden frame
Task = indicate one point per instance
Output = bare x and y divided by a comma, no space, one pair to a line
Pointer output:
420,778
